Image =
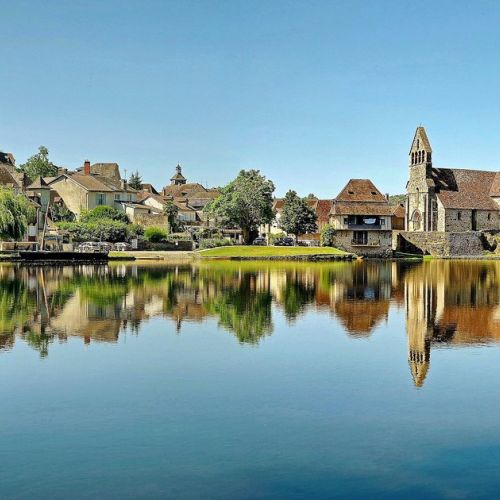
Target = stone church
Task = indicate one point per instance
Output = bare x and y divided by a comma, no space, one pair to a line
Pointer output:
449,199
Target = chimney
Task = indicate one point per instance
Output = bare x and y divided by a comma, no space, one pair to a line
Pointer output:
86,167
123,183
387,196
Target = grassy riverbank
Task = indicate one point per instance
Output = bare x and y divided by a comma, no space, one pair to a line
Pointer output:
257,252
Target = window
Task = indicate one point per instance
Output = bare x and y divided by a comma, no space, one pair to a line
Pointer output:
382,222
360,237
100,199
489,216
346,220
117,197
459,215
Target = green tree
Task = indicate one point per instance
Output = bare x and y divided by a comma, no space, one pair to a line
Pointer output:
16,213
244,203
103,212
311,196
171,210
327,235
135,180
39,165
297,216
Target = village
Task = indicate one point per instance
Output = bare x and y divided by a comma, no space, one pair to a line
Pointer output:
443,212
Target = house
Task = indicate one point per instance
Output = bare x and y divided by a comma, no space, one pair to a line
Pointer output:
39,192
186,213
361,216
398,217
322,209
449,199
83,190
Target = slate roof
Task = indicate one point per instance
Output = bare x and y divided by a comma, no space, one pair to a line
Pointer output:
110,170
465,189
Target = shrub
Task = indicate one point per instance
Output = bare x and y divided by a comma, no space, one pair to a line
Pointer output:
274,237
155,234
215,242
103,230
327,236
104,212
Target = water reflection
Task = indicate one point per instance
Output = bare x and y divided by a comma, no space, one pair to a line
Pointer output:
445,303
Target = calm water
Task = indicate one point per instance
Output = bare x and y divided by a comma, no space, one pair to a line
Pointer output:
251,380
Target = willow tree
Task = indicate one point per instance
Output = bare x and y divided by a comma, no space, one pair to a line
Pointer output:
16,213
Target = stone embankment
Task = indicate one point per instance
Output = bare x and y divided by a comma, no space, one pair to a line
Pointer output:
441,244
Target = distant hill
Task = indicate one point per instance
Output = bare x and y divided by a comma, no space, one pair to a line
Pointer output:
395,199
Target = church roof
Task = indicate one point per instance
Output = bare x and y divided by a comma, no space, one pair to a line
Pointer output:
465,189
421,134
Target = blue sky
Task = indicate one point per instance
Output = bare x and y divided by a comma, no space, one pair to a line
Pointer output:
311,93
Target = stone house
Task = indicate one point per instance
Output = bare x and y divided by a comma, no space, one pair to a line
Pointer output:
449,199
85,191
361,216
322,209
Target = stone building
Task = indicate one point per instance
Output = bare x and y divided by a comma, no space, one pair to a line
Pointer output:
361,216
449,199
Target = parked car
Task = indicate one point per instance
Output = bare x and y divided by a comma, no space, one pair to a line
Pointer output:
285,242
260,241
122,246
95,247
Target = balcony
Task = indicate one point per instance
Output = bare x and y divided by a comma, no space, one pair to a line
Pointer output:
364,227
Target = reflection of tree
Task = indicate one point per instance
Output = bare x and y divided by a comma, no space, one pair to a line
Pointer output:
243,310
297,294
16,306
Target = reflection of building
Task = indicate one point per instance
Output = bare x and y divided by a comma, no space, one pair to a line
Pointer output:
449,303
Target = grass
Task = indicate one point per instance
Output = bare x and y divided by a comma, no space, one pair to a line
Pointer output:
257,251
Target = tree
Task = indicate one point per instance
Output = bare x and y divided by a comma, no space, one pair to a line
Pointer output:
103,212
244,203
171,210
16,213
39,165
135,181
297,217
311,196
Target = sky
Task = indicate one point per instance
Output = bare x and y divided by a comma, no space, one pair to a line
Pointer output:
311,93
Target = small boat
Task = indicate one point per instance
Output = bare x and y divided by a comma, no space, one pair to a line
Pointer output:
48,256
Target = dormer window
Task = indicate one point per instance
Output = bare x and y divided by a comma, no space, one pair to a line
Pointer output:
350,192
374,193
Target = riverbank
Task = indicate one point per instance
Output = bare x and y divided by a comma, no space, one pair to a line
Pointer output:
238,252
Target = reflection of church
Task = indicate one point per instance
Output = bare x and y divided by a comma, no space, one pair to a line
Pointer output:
449,303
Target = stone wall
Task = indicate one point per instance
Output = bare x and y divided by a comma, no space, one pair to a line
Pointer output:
151,220
461,220
440,244
379,243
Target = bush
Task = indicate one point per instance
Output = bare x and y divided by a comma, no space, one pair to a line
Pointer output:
155,234
103,212
274,237
103,230
215,242
327,236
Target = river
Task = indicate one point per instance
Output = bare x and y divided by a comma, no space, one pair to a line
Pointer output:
250,380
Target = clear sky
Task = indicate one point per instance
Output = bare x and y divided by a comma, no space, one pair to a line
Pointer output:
309,92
